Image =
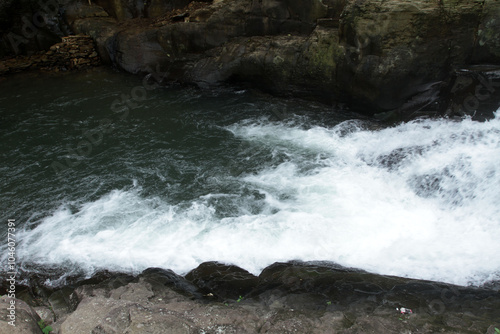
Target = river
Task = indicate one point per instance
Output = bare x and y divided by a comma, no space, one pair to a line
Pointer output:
104,170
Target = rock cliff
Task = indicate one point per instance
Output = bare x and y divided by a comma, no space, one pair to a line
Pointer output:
396,55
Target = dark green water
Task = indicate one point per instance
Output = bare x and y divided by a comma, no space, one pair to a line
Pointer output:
101,171
64,138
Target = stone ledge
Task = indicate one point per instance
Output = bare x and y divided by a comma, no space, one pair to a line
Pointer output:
73,53
298,297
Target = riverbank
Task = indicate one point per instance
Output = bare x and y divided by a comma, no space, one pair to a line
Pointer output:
248,179
292,297
76,52
388,57
395,59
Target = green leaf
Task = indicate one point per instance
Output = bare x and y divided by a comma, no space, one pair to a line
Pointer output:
47,330
497,330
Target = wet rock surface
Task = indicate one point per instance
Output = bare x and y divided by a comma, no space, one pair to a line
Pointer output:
392,58
474,91
284,298
389,56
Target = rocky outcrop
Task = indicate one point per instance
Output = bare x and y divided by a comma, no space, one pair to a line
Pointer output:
381,56
396,49
17,317
73,53
394,58
285,298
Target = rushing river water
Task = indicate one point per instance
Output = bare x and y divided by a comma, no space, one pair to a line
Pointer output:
101,173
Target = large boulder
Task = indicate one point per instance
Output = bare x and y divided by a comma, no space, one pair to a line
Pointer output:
304,65
394,48
224,281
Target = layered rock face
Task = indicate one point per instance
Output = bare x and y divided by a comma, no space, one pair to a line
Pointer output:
73,53
394,55
379,55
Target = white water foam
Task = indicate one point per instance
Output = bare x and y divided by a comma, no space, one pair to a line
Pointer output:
418,200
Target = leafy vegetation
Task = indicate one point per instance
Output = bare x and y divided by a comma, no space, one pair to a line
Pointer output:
45,329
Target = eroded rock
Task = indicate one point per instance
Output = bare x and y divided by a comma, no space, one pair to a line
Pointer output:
17,317
393,56
225,281
73,53
285,298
